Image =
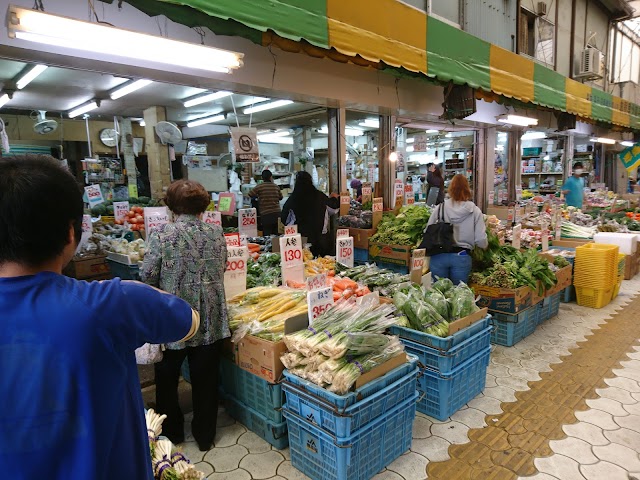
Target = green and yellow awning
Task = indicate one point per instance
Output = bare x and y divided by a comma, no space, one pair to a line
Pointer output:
393,33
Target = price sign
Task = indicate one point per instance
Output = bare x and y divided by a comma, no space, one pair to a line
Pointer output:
319,301
398,188
232,239
87,226
317,281
248,222
212,218
377,205
243,240
517,214
120,210
518,193
366,194
409,198
345,204
510,215
291,259
545,239
342,232
558,217
94,195
227,203
515,242
235,275
417,265
291,229
154,217
344,251
492,197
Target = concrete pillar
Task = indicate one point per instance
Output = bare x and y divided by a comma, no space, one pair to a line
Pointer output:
484,166
386,168
157,154
126,148
302,140
337,150
514,158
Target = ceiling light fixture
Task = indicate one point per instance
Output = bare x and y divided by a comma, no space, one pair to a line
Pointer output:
84,108
349,132
4,99
626,143
29,76
275,139
208,97
142,123
411,140
431,131
40,27
128,88
410,149
204,121
605,140
370,122
517,120
533,136
261,107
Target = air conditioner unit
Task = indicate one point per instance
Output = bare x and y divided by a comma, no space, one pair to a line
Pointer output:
542,9
591,64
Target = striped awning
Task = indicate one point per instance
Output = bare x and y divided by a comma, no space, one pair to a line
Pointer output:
389,32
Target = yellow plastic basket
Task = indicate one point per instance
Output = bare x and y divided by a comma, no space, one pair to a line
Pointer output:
616,289
621,263
593,297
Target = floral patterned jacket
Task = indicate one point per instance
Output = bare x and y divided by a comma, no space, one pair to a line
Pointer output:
188,258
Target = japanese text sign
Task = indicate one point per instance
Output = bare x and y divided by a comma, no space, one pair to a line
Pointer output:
94,195
120,210
248,222
344,251
154,217
212,218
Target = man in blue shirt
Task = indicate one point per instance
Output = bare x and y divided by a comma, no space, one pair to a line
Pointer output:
573,188
71,401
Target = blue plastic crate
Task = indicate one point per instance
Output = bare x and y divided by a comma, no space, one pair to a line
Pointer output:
274,433
125,272
440,343
568,294
360,255
343,401
361,456
344,422
549,307
510,329
264,397
445,361
446,393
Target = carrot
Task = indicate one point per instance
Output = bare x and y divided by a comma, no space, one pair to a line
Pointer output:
337,296
254,255
340,284
294,284
331,273
348,293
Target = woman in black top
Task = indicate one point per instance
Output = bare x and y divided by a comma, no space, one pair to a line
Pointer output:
309,206
435,179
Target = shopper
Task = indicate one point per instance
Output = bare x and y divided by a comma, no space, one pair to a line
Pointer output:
356,185
573,188
269,196
435,180
71,401
310,208
188,258
469,231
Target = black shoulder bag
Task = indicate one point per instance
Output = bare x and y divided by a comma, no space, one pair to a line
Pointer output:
438,237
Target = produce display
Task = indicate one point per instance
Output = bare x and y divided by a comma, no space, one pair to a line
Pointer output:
528,238
431,310
106,208
360,216
343,343
376,279
265,271
317,266
134,250
406,228
134,219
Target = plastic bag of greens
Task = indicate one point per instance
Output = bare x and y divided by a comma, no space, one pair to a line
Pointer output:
443,284
463,302
437,300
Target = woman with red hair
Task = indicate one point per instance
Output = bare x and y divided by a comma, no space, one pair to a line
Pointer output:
468,231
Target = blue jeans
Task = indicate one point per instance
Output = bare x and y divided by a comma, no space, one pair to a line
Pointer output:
454,266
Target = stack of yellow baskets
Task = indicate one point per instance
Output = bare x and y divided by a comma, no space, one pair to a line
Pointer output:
596,274
621,264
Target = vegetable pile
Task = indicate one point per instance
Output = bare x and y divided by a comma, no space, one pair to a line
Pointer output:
360,216
265,271
376,279
406,228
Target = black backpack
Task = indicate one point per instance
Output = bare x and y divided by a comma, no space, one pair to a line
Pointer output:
438,237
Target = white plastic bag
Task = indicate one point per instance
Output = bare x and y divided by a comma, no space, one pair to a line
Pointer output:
149,354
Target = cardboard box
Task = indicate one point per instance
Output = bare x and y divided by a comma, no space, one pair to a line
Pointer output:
572,243
380,370
361,237
630,266
87,267
396,254
503,300
564,276
458,325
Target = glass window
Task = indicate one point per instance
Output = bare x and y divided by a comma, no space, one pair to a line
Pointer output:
536,37
447,9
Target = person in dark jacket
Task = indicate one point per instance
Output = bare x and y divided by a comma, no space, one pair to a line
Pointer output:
309,206
435,179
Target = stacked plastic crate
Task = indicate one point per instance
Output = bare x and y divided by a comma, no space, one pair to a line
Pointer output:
352,436
455,367
549,307
595,274
621,267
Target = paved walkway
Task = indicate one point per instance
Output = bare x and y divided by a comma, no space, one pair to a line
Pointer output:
563,404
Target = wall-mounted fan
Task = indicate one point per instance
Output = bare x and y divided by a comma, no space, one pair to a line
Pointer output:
168,133
43,125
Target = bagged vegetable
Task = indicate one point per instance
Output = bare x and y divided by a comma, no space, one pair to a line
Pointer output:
443,284
463,302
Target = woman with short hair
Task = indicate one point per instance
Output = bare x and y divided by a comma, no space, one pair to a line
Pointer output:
188,258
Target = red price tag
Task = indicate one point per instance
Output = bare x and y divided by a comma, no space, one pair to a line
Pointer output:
342,232
248,222
232,239
377,205
291,229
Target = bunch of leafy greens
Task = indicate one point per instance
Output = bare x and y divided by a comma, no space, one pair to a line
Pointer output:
265,272
406,228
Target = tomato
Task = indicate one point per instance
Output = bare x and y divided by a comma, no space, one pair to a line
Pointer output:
138,210
139,219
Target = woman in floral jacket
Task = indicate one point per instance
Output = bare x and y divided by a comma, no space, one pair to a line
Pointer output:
188,258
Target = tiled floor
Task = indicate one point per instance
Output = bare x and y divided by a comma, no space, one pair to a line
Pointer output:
518,436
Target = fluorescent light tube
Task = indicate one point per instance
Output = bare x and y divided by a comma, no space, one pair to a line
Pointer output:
627,144
204,121
87,107
128,88
3,100
410,149
411,140
370,122
431,131
209,97
349,132
608,141
267,106
275,139
142,123
28,77
45,28
518,120
533,136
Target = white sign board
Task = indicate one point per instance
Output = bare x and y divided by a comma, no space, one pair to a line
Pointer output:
518,193
235,275
243,240
154,217
319,301
398,188
248,222
232,239
492,197
344,251
558,217
291,229
515,242
94,195
120,210
245,144
212,218
291,260
87,231
409,198
317,281
342,232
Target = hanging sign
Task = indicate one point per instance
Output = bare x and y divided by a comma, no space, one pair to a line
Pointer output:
227,203
420,143
417,265
492,197
245,144
212,218
409,198
342,232
377,211
344,251
292,261
319,301
248,222
366,193
235,275
232,239
515,242
345,203
317,281
120,210
291,229
154,217
94,195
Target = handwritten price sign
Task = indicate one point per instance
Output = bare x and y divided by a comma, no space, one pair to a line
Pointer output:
291,230
237,259
292,262
515,243
344,250
248,222
235,275
87,226
155,217
345,200
377,205
212,218
418,259
319,301
94,195
342,232
409,198
398,188
317,281
232,239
